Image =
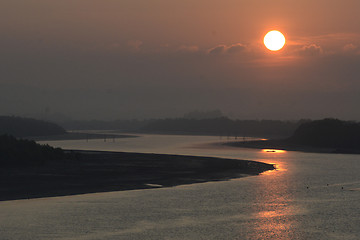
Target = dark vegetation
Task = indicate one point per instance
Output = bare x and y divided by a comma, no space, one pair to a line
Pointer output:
23,153
327,135
27,127
212,126
39,130
121,125
223,126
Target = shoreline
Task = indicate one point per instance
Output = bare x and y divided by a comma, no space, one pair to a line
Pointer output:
101,171
284,145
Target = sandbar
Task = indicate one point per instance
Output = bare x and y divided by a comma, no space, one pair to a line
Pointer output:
98,171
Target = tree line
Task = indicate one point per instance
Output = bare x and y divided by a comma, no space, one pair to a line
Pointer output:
221,126
328,133
28,127
22,152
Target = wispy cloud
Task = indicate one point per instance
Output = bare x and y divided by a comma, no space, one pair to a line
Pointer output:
311,50
236,48
350,47
135,44
217,50
231,49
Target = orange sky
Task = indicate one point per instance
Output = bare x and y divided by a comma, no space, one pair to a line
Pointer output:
161,58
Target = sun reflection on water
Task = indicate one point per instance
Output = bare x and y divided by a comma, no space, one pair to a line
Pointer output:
273,151
273,208
273,156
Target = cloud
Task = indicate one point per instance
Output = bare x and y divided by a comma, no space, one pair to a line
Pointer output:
329,44
231,49
236,48
350,47
310,50
135,44
217,50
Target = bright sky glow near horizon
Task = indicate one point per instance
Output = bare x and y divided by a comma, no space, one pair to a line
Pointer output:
92,59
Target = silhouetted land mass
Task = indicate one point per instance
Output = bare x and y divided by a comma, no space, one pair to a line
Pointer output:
22,153
30,170
122,125
199,115
42,130
327,135
27,127
211,126
223,126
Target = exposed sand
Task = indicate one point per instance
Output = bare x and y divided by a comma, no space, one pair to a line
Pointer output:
94,171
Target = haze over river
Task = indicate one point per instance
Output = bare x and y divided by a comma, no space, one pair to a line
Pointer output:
309,196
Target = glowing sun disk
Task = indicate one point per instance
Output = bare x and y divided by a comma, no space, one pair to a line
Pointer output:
274,40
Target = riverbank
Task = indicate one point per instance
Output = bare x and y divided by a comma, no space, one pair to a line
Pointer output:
286,145
96,171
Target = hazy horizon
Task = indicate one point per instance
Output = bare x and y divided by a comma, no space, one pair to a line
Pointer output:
106,60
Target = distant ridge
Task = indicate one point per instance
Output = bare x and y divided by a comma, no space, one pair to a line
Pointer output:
222,126
28,127
322,136
328,133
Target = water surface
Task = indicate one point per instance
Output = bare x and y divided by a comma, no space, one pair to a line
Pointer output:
310,196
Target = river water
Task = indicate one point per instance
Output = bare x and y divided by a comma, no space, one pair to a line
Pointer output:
309,196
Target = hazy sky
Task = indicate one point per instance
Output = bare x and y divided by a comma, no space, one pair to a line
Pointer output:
111,59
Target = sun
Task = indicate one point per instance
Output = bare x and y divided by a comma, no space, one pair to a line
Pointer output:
274,40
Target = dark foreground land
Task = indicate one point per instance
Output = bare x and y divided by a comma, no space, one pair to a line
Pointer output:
90,171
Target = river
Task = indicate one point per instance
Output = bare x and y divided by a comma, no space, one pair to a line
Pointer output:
309,196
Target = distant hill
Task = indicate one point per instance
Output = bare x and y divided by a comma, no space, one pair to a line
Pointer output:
28,127
322,136
204,114
328,133
221,126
